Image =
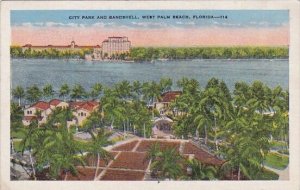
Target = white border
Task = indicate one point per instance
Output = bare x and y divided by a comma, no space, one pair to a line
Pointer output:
294,77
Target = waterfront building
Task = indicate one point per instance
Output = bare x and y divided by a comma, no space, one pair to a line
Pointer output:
166,98
41,110
114,46
71,47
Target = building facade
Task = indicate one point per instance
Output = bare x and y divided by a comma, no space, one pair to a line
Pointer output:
114,46
71,47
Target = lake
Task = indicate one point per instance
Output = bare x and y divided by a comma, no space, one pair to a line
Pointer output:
26,72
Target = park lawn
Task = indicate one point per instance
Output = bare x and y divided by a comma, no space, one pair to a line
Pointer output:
19,134
18,146
276,160
278,144
266,175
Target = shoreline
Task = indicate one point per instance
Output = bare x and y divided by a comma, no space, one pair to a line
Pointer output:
151,61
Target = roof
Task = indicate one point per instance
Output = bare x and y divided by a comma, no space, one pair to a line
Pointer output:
130,162
55,102
59,46
88,105
41,105
170,96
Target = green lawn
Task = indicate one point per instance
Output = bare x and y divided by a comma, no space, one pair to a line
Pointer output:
278,144
19,134
276,160
265,175
17,146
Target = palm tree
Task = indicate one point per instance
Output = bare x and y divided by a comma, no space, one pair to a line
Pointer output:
18,93
28,143
123,89
64,91
137,88
56,148
165,84
78,92
48,91
167,164
96,147
33,93
201,171
96,90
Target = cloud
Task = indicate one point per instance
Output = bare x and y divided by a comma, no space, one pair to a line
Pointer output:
150,24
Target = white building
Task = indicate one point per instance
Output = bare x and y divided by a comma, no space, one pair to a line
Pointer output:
115,46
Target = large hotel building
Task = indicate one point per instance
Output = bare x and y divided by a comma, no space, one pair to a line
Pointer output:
111,46
115,45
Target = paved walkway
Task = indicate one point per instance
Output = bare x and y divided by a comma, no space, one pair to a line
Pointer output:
283,174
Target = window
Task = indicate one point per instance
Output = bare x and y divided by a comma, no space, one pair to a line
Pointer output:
28,112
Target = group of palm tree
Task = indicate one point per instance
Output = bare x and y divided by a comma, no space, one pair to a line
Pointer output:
237,126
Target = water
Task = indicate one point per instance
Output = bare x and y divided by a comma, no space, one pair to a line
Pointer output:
26,72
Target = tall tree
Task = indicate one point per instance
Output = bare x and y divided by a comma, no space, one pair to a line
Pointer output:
64,91
33,93
78,92
48,91
96,90
99,141
18,93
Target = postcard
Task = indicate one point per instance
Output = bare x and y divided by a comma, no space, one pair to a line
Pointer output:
186,95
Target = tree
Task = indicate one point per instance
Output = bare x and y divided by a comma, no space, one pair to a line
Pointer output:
55,147
48,91
33,93
96,147
137,89
96,90
64,91
78,92
18,93
201,171
166,164
28,143
165,84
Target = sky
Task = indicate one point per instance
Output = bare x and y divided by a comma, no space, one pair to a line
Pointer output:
189,28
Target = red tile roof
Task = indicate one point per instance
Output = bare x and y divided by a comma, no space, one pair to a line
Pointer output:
54,102
88,105
170,96
41,105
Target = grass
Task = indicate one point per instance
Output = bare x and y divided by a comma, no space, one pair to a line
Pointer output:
276,160
278,144
19,134
17,146
265,175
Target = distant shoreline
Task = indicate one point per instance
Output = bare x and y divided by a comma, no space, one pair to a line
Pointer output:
155,60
